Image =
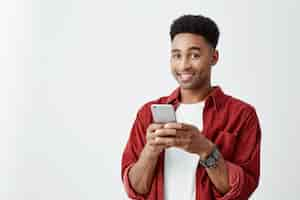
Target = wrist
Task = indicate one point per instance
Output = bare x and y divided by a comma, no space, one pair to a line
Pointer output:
207,151
212,159
149,153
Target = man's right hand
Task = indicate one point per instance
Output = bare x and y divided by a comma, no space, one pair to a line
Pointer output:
142,172
158,138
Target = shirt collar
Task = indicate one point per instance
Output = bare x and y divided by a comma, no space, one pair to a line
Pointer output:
216,97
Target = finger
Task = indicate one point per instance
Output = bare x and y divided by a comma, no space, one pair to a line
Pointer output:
176,125
158,146
183,142
167,141
173,125
154,126
161,133
171,141
165,132
150,136
183,133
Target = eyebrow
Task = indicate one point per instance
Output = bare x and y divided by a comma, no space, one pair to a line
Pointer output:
189,49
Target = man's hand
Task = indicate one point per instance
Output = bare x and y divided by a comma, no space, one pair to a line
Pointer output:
189,138
181,135
142,172
184,136
158,138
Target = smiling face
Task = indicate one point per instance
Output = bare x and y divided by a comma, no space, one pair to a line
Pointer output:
191,60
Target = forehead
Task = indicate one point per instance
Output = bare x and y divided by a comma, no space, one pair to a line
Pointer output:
184,41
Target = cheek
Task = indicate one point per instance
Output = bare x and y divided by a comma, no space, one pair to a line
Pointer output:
201,65
173,63
173,66
204,59
201,62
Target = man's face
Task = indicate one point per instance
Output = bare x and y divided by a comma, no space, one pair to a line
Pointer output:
191,60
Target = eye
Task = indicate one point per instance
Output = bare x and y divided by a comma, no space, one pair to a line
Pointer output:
195,56
176,56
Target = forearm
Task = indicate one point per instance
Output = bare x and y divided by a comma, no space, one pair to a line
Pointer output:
142,172
231,181
219,176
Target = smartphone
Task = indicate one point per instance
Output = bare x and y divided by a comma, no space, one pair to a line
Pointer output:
163,113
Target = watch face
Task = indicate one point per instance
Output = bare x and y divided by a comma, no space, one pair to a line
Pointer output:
211,162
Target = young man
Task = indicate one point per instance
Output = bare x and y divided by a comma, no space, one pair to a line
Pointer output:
213,150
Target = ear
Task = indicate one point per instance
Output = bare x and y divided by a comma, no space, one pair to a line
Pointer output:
215,57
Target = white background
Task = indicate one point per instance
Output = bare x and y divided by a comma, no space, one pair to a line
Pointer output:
73,74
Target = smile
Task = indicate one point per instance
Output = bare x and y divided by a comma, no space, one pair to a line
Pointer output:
185,76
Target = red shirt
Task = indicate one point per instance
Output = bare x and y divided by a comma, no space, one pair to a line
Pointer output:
229,123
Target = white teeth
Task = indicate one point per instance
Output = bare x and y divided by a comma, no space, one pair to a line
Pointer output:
185,77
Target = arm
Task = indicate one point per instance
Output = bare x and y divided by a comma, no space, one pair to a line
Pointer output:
133,149
142,172
218,174
231,180
191,140
244,169
139,161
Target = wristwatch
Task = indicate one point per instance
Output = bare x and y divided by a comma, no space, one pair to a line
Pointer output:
212,159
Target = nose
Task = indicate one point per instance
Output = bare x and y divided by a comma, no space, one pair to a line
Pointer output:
185,64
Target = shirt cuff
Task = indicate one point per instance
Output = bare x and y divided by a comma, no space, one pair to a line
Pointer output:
236,180
128,188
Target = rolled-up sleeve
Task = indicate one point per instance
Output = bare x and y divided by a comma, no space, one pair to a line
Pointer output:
131,154
244,169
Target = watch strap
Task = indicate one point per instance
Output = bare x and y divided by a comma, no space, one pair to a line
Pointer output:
212,159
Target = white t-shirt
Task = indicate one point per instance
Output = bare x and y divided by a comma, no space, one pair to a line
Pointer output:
180,166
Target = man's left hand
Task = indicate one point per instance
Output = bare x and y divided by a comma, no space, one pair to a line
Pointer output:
190,139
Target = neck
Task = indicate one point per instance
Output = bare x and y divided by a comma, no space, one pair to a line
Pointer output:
190,96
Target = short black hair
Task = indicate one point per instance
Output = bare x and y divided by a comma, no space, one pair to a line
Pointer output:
196,24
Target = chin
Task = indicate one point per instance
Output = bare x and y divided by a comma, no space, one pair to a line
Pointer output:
187,86
190,86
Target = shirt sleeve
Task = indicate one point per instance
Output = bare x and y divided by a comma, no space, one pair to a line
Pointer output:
244,169
131,154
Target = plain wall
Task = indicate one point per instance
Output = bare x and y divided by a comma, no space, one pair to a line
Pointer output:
73,74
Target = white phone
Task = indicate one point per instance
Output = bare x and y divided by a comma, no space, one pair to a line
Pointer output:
163,113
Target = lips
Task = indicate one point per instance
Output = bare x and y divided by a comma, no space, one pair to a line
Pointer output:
185,76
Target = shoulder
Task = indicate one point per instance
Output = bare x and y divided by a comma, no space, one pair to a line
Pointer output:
240,116
240,107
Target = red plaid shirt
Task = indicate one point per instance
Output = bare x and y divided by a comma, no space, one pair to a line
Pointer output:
228,122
